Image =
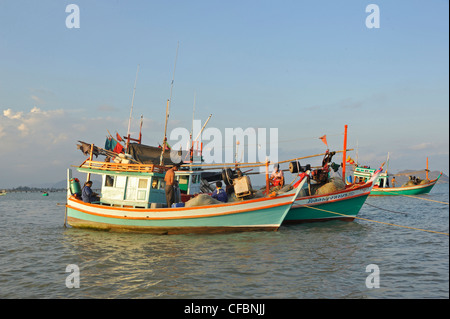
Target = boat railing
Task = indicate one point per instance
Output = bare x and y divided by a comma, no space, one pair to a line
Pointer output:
121,167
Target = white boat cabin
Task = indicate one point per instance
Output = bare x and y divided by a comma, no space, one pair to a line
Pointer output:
363,174
143,191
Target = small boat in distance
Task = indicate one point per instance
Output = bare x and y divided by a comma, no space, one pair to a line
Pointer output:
3,192
381,186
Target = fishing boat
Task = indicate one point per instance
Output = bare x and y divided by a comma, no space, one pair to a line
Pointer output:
133,199
382,187
340,203
3,192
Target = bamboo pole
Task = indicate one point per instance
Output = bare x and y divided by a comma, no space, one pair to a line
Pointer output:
252,164
90,160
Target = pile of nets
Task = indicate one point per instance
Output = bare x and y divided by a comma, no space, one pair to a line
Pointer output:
416,182
202,200
334,185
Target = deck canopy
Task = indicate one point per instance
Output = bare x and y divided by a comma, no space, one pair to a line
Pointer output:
145,154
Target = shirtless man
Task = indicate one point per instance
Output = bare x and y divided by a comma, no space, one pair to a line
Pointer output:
170,180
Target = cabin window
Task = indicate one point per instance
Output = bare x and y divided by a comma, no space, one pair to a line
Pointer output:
142,189
142,183
195,179
183,180
109,181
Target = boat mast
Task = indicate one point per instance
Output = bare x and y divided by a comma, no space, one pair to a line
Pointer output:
167,108
131,110
387,166
344,154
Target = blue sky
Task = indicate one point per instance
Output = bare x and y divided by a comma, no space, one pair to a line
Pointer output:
306,68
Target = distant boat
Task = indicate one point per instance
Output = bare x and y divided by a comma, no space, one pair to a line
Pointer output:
44,194
381,186
3,192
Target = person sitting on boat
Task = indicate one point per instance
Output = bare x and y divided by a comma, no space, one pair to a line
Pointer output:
87,195
277,177
220,194
170,181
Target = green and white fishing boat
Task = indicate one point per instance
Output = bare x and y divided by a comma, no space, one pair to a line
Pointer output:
344,203
341,205
133,199
382,186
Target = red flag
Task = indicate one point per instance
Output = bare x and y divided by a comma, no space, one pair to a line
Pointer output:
118,148
324,139
118,137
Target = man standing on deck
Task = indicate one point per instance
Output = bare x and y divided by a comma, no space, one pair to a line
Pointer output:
170,180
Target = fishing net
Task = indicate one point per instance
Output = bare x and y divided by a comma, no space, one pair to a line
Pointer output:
409,183
202,200
334,185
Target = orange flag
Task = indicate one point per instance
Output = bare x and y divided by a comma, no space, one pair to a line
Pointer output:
324,139
350,160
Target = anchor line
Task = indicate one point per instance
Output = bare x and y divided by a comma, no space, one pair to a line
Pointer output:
388,210
375,221
431,200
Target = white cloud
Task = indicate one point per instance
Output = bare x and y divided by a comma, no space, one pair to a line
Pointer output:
11,115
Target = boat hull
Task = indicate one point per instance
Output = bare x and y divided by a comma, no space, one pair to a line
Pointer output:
342,205
408,190
252,215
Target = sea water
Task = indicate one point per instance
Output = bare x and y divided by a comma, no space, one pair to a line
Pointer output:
40,258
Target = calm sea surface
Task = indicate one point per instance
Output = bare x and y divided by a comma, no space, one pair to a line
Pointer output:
319,260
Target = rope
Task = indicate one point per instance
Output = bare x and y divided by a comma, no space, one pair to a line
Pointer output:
431,200
375,221
392,211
